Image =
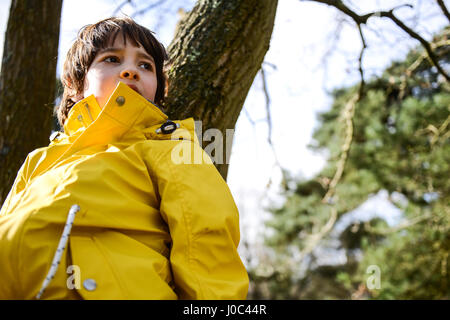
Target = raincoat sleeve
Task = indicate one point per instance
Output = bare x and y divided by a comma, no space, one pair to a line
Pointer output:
18,185
203,220
8,245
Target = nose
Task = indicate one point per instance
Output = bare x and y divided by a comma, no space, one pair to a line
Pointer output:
129,73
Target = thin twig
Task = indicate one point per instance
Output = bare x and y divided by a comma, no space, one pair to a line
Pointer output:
269,124
361,70
252,122
267,97
437,134
313,240
397,228
419,60
409,71
147,8
332,46
443,8
120,6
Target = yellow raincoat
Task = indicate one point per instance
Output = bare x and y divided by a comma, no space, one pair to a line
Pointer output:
149,225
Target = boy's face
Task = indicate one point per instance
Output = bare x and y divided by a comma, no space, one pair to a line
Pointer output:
121,62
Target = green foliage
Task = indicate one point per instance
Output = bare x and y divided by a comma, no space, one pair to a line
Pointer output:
400,144
413,263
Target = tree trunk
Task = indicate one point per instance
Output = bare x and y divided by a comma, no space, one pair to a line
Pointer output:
27,83
217,51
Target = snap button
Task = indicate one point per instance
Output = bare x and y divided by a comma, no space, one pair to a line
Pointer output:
120,100
90,284
168,127
80,118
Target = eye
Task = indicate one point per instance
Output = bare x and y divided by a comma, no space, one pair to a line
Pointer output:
146,65
112,59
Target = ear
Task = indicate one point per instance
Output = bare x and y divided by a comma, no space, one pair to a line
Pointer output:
73,94
75,97
166,87
79,96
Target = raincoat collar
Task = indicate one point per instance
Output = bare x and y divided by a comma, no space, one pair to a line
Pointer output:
126,118
125,109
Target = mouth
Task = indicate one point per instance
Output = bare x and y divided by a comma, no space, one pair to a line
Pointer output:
132,86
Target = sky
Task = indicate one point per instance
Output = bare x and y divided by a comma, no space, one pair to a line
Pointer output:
298,78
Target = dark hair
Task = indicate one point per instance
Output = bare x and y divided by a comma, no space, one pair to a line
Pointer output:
94,37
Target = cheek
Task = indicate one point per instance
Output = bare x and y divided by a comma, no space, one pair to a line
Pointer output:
93,79
96,82
151,86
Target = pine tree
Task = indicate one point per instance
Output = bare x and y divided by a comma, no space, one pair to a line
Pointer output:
400,143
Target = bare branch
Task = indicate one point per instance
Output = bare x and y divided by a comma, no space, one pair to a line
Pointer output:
416,36
362,19
147,8
313,240
273,66
116,11
399,227
419,60
348,114
332,46
436,134
361,71
359,19
266,95
444,8
269,123
252,122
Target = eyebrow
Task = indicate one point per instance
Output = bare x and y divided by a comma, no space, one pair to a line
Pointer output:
140,54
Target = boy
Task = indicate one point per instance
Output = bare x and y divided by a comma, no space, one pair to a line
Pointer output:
144,227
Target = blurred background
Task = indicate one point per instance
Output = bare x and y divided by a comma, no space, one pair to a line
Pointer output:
340,159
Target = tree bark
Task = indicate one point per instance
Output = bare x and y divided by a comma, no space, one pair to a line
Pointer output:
27,83
217,51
